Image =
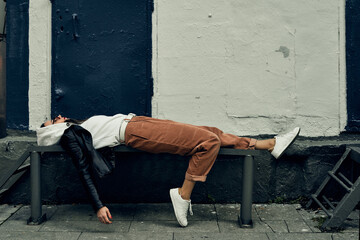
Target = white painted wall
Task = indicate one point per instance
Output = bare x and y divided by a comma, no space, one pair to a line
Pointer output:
248,67
39,62
2,14
251,67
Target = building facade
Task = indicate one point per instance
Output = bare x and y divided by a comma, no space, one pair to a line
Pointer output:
247,67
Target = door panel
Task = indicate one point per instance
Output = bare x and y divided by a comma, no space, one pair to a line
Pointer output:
101,57
353,64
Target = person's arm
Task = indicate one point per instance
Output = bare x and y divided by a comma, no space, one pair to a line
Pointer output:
70,144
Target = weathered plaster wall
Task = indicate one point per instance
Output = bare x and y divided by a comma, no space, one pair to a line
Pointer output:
39,62
251,67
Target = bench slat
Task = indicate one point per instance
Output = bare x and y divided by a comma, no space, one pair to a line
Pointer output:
122,148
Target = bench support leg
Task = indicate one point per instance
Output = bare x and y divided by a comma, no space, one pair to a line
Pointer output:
35,182
245,219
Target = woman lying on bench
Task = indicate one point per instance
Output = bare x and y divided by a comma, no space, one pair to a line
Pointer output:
163,136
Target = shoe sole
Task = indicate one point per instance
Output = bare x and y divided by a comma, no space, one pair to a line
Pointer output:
173,204
292,141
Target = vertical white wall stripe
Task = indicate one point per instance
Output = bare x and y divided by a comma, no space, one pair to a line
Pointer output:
342,66
155,59
39,62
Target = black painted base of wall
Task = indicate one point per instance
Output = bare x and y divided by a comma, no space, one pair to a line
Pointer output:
147,178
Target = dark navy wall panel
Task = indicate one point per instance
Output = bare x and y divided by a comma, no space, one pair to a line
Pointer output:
101,57
17,64
353,64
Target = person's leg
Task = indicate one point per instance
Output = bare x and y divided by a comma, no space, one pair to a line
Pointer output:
276,145
164,136
186,189
201,143
267,144
233,141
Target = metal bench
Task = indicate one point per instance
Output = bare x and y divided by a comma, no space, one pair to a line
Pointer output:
37,217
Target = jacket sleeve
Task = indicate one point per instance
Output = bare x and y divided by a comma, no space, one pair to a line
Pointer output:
70,143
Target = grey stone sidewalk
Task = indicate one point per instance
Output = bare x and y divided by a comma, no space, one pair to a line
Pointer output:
157,221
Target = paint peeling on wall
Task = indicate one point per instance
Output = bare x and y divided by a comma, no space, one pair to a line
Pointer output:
284,50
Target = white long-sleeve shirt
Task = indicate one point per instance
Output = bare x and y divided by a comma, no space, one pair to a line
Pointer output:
104,130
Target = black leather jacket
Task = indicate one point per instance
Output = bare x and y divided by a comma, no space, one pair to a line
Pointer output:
77,142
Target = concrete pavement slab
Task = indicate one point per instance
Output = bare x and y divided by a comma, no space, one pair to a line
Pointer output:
202,212
173,226
278,226
309,214
297,226
277,212
141,221
120,212
346,236
73,212
84,226
309,217
18,221
299,236
18,225
24,212
127,236
39,235
222,236
155,212
233,226
6,208
232,211
4,216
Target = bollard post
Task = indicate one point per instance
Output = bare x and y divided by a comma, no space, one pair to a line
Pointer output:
35,182
245,219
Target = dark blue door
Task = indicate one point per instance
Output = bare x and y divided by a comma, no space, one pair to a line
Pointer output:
101,57
353,64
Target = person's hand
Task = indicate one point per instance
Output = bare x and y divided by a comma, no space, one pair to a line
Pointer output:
103,215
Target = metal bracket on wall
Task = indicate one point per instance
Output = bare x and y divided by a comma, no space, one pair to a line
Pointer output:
75,20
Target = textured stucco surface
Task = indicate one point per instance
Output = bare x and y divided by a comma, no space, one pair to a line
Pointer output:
39,62
251,67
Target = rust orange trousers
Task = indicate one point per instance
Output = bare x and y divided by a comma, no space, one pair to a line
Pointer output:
200,142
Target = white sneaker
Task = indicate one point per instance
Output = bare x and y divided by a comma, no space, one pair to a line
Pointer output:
181,207
282,142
